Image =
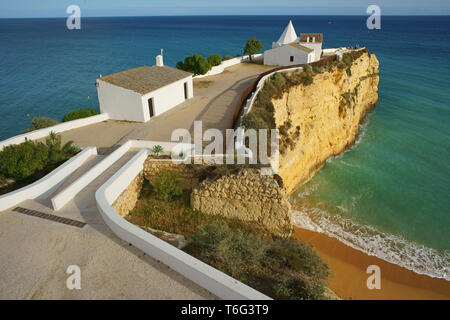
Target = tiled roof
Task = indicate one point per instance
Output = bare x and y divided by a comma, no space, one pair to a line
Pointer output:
300,47
146,79
318,36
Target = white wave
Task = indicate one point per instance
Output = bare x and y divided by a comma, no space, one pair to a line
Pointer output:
389,247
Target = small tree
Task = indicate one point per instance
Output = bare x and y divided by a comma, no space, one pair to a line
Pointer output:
157,149
252,47
215,60
195,64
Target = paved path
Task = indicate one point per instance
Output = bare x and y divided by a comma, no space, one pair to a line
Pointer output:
35,254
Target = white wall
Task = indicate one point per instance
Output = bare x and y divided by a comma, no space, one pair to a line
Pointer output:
120,103
48,184
281,56
167,97
316,46
65,126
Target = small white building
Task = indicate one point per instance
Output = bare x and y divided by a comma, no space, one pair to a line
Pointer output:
292,50
143,93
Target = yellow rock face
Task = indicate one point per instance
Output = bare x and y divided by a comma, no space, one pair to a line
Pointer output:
328,112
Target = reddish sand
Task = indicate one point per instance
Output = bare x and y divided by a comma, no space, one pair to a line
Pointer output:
348,268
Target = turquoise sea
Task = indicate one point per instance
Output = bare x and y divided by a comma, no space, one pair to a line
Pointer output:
387,196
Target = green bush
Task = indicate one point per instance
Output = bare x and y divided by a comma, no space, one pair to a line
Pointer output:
41,123
166,185
215,60
307,68
57,154
79,114
157,149
195,64
22,160
278,80
317,70
280,268
227,58
253,121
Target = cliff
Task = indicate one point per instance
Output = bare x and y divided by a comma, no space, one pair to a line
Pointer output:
321,119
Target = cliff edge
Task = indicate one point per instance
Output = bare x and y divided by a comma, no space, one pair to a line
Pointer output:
321,119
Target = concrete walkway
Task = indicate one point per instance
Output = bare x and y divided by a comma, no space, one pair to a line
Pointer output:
35,254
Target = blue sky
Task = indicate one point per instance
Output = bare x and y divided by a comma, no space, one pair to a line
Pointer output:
96,8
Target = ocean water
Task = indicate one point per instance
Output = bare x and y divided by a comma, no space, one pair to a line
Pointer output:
387,196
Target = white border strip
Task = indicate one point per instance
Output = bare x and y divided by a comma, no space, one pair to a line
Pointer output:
61,127
48,184
215,281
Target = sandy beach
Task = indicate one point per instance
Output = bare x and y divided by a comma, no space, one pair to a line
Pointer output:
348,268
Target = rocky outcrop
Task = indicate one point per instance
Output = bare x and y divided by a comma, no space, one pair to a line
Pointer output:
247,196
323,118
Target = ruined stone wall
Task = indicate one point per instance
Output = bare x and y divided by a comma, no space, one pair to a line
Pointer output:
128,198
248,196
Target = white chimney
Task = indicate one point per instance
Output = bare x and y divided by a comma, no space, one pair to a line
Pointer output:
159,60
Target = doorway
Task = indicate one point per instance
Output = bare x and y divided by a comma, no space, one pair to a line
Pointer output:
151,107
185,91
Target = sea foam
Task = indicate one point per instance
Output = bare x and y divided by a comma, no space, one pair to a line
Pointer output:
368,239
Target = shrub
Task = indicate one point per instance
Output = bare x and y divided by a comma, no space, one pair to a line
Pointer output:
281,268
166,185
79,114
317,70
254,121
157,149
278,80
41,123
195,64
57,154
227,58
215,60
22,160
307,68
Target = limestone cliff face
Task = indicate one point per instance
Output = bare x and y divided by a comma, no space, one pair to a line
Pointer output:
328,112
